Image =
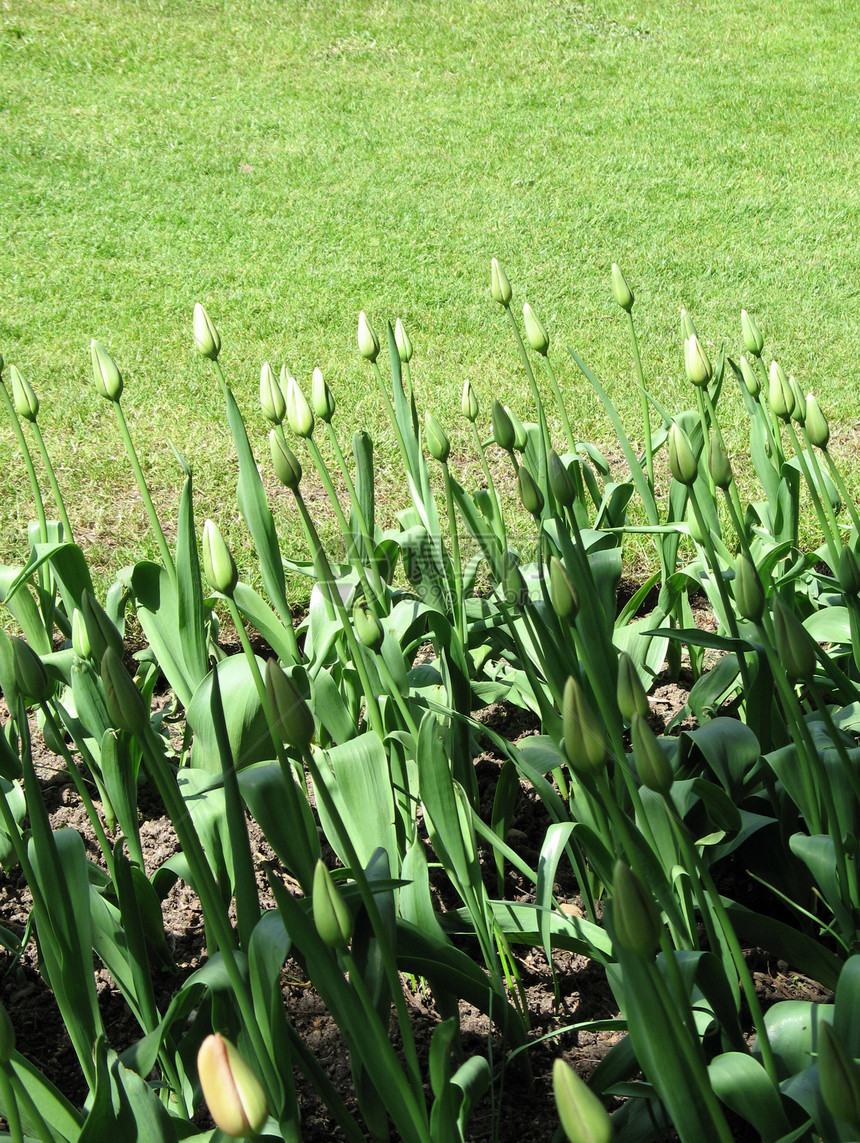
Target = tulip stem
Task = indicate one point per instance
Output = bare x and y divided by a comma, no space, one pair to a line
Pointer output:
166,557
646,412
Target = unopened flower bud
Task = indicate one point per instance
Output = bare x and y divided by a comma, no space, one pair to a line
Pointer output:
630,692
652,765
368,342
693,526
293,719
218,562
697,362
23,398
368,629
682,461
817,428
402,341
520,435
469,402
514,586
583,1117
688,328
794,644
562,593
101,631
332,919
530,495
80,638
753,339
503,428
584,740
123,700
271,398
749,594
106,376
322,398
798,413
437,440
634,913
536,334
31,678
206,336
560,480
849,572
719,464
285,461
300,418
233,1094
750,378
779,394
623,294
500,286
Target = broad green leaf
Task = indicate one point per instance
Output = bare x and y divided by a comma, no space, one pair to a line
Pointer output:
247,729
743,1085
357,777
157,610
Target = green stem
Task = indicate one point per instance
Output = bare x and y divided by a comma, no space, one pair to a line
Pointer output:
28,464
166,557
559,402
460,603
843,491
830,538
646,412
357,510
52,479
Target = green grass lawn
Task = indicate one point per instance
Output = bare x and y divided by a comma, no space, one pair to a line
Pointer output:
289,163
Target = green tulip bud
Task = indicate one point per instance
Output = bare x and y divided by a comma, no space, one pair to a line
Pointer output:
514,585
233,1094
218,562
779,392
719,464
332,918
696,533
31,678
798,413
749,594
750,378
500,286
562,593
23,398
206,336
1,366
368,342
520,435
299,415
682,462
368,629
583,1117
503,428
817,428
623,294
838,1077
285,461
697,362
794,645
688,329
401,340
652,765
107,378
530,495
536,334
101,630
634,914
80,639
437,440
630,692
584,741
271,398
322,398
560,480
849,572
293,719
469,402
123,700
753,339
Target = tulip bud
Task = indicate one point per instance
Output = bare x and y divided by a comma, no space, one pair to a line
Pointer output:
271,398
779,392
584,741
322,398
753,339
7,1036
23,398
368,342
696,533
469,402
838,1078
536,334
107,378
293,719
332,918
688,329
218,563
503,428
749,594
123,700
80,639
583,1117
794,644
630,692
100,629
1,366
798,413
368,629
299,415
750,378
560,480
652,765
682,462
634,914
31,678
719,464
530,495
437,440
623,294
500,286
233,1094
849,572
817,428
562,593
514,586
401,340
697,362
520,435
285,461
206,336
